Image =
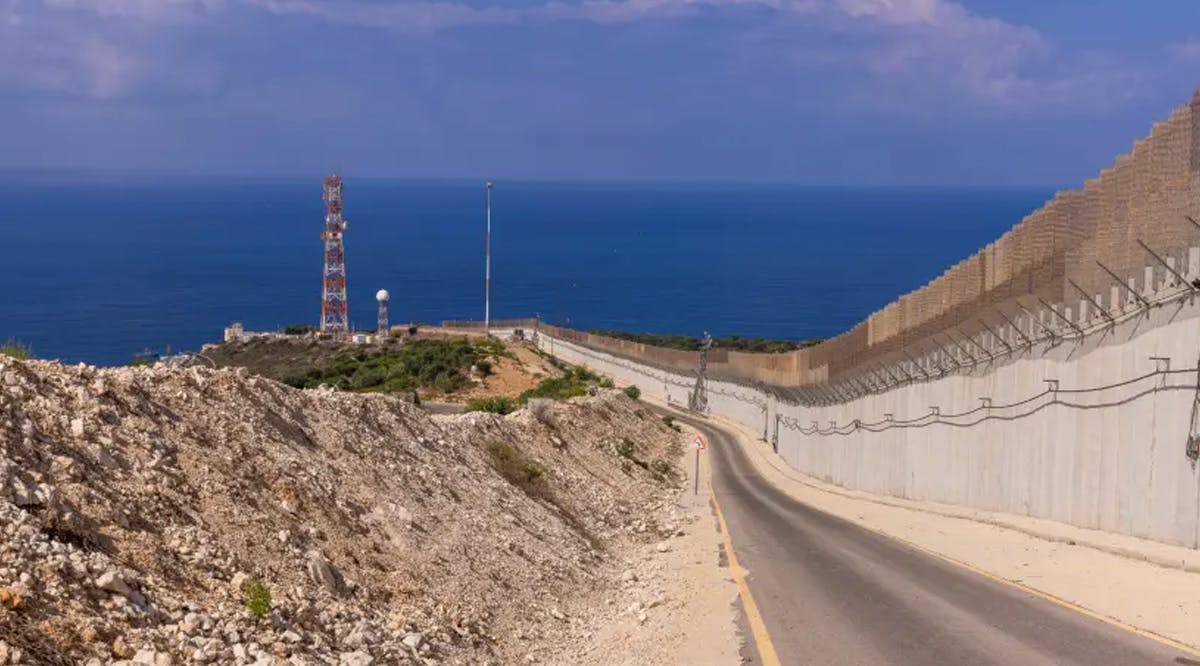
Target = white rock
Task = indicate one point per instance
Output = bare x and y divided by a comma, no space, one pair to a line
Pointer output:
77,428
413,640
359,658
112,581
360,636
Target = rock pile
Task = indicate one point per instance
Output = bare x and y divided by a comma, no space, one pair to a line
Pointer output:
174,516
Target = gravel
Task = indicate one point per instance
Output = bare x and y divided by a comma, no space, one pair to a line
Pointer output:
139,505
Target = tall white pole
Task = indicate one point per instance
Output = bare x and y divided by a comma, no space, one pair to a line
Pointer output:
487,271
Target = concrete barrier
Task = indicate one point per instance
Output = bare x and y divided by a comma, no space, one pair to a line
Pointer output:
1103,448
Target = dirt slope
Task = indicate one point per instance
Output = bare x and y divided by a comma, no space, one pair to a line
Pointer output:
136,503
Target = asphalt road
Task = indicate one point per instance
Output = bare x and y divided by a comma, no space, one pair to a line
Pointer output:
831,592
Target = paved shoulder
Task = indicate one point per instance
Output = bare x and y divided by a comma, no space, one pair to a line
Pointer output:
832,592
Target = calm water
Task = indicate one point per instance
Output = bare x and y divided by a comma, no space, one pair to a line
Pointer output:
101,268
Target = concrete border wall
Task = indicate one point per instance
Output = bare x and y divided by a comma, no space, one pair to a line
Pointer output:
1106,450
1024,379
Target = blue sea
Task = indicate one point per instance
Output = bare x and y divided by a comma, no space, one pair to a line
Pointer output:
101,268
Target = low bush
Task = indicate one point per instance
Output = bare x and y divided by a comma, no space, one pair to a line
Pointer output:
633,392
556,388
494,405
626,448
440,365
539,408
257,597
661,469
299,329
670,421
524,473
16,349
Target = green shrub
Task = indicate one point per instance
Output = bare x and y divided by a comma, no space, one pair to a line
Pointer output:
556,388
441,365
670,421
484,367
633,392
16,349
661,469
257,597
494,405
626,448
605,382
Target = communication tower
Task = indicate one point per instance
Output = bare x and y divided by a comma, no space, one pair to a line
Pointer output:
333,292
382,296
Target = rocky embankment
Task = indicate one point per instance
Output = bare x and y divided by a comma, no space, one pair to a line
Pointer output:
177,516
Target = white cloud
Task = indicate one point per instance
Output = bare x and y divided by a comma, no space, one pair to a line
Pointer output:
163,11
901,45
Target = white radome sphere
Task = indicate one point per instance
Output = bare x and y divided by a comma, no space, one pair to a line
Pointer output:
382,295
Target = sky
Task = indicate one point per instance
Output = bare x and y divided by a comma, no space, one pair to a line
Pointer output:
980,93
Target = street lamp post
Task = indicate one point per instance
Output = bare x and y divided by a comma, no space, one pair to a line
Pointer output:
487,270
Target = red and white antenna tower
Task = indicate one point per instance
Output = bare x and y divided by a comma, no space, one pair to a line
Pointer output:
333,290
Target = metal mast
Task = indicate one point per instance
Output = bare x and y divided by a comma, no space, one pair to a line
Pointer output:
487,265
333,291
698,400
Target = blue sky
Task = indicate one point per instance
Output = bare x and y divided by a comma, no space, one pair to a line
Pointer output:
979,92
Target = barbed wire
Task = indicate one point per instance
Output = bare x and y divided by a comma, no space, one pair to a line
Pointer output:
991,411
936,417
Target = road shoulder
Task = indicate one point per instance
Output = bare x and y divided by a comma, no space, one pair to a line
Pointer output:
676,602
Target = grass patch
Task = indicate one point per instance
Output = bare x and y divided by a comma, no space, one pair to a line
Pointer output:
257,597
494,405
16,349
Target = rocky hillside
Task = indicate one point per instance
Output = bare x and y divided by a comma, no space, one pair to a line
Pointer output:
172,516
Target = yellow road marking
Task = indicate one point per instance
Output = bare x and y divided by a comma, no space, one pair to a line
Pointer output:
762,640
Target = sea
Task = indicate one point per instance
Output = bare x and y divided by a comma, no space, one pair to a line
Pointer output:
105,267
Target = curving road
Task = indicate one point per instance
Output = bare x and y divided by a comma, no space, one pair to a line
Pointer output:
831,592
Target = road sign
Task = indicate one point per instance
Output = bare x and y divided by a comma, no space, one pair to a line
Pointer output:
699,443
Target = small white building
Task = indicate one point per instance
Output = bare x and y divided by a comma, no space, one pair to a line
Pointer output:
234,332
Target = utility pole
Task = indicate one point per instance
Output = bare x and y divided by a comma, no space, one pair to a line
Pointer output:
487,267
